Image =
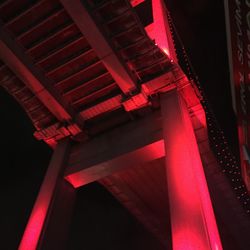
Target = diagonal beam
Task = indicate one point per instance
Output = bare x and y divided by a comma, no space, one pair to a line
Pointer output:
15,58
100,44
139,142
45,219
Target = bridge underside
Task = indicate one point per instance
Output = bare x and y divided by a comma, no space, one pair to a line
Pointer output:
101,83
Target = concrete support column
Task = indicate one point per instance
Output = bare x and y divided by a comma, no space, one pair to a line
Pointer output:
192,218
50,216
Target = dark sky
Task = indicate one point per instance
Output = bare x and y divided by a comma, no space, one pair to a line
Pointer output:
100,222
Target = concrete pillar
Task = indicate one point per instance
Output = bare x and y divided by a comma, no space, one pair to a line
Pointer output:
50,216
192,218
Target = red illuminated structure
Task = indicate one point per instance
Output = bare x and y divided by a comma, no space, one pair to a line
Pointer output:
103,87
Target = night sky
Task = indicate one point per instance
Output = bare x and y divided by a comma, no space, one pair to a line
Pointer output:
99,221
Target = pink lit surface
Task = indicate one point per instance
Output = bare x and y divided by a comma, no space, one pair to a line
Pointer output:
34,227
192,218
142,155
39,212
136,2
162,34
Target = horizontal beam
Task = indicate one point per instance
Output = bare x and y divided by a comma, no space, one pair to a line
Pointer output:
132,144
100,170
115,65
15,58
136,143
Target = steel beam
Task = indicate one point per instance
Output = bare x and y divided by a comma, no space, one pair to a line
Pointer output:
133,144
115,65
15,58
82,176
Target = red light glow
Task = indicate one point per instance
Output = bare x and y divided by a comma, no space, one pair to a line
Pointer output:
40,210
192,218
161,30
34,227
144,154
